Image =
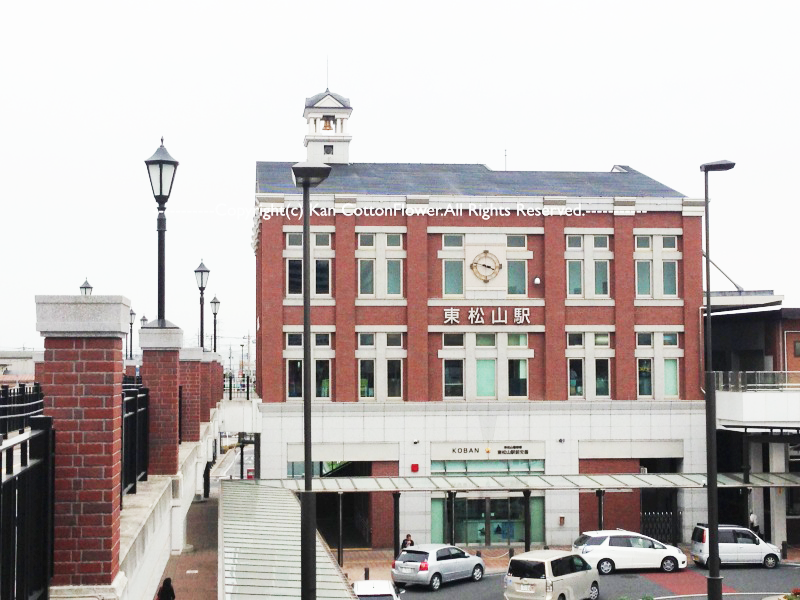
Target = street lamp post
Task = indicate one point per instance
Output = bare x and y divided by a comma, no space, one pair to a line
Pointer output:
714,588
242,363
201,274
86,288
308,175
215,310
130,342
161,168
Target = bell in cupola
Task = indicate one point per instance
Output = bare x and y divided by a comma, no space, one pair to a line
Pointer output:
327,120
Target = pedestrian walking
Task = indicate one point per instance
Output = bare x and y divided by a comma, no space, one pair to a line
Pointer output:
166,592
407,542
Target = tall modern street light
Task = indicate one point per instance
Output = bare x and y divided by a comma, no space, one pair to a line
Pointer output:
86,288
714,588
308,175
130,343
215,310
161,168
201,274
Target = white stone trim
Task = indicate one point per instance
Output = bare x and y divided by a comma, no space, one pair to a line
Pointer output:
590,328
314,229
380,353
83,316
381,302
320,301
314,329
507,230
510,301
589,302
383,328
485,328
657,302
630,449
658,231
589,231
658,328
160,338
381,229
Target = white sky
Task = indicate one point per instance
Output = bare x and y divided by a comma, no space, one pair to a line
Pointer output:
88,88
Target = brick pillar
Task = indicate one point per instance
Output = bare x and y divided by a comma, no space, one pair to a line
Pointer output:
345,376
417,293
190,382
555,317
381,507
207,387
160,369
626,377
81,378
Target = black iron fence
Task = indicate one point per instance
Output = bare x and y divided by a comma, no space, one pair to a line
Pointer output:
27,484
238,387
664,526
18,405
135,437
131,380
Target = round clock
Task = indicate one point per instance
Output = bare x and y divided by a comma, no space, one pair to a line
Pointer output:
486,266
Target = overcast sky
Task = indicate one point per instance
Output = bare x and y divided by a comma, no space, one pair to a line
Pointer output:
88,89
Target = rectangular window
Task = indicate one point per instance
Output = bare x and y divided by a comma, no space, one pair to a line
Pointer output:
452,241
797,349
601,278
394,340
518,339
670,277
643,242
575,340
602,340
574,277
366,240
516,278
644,340
576,377
601,377
484,378
485,339
294,339
643,287
294,383
601,242
454,378
366,279
322,240
366,340
294,240
518,377
645,376
453,277
394,240
322,340
394,277
366,370
323,277
574,242
671,377
670,339
394,378
453,340
295,276
669,242
323,378
515,241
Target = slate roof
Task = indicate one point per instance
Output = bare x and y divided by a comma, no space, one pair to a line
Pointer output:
399,179
311,102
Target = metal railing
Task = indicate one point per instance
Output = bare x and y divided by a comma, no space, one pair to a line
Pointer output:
131,380
18,405
751,381
27,488
238,387
135,437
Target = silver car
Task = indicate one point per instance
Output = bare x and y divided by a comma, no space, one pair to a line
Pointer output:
433,564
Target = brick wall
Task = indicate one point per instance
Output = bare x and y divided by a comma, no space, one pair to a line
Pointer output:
381,506
620,509
160,369
190,382
82,383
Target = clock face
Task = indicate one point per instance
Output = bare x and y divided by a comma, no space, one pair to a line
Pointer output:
486,266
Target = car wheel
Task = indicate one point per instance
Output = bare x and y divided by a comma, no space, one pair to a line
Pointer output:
669,564
605,566
477,573
770,561
594,591
436,582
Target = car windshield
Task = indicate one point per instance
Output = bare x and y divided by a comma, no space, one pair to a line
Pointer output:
526,569
413,556
581,540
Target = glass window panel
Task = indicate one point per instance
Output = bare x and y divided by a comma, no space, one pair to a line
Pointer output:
394,378
484,339
645,377
670,376
601,278
484,377
366,281
575,340
322,339
516,277
323,378
515,241
644,339
575,277
797,348
453,277
454,378
394,340
453,241
394,277
366,339
574,242
642,242
643,268
601,241
294,339
601,340
295,378
670,268
576,377
394,240
323,277
487,466
367,377
366,240
601,377
669,242
437,466
670,339
295,281
453,340
322,239
518,377
294,239
518,339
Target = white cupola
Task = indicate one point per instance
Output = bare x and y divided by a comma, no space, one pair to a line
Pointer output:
327,140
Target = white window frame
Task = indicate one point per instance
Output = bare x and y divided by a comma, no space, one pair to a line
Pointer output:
658,255
299,294
663,275
652,377
330,378
463,380
316,239
293,235
317,294
493,396
515,236
648,262
570,293
588,255
583,378
400,293
524,292
381,353
658,352
527,376
318,252
444,280
402,382
380,253
452,236
677,377
374,282
317,353
608,278
374,379
594,378
590,353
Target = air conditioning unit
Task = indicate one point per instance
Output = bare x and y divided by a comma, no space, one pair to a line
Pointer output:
643,470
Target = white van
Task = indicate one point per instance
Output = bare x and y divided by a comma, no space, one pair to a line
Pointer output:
737,544
550,574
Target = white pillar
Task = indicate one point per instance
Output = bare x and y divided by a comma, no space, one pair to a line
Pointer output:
757,496
777,496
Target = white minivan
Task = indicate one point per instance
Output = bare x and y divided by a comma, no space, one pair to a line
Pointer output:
737,544
550,574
